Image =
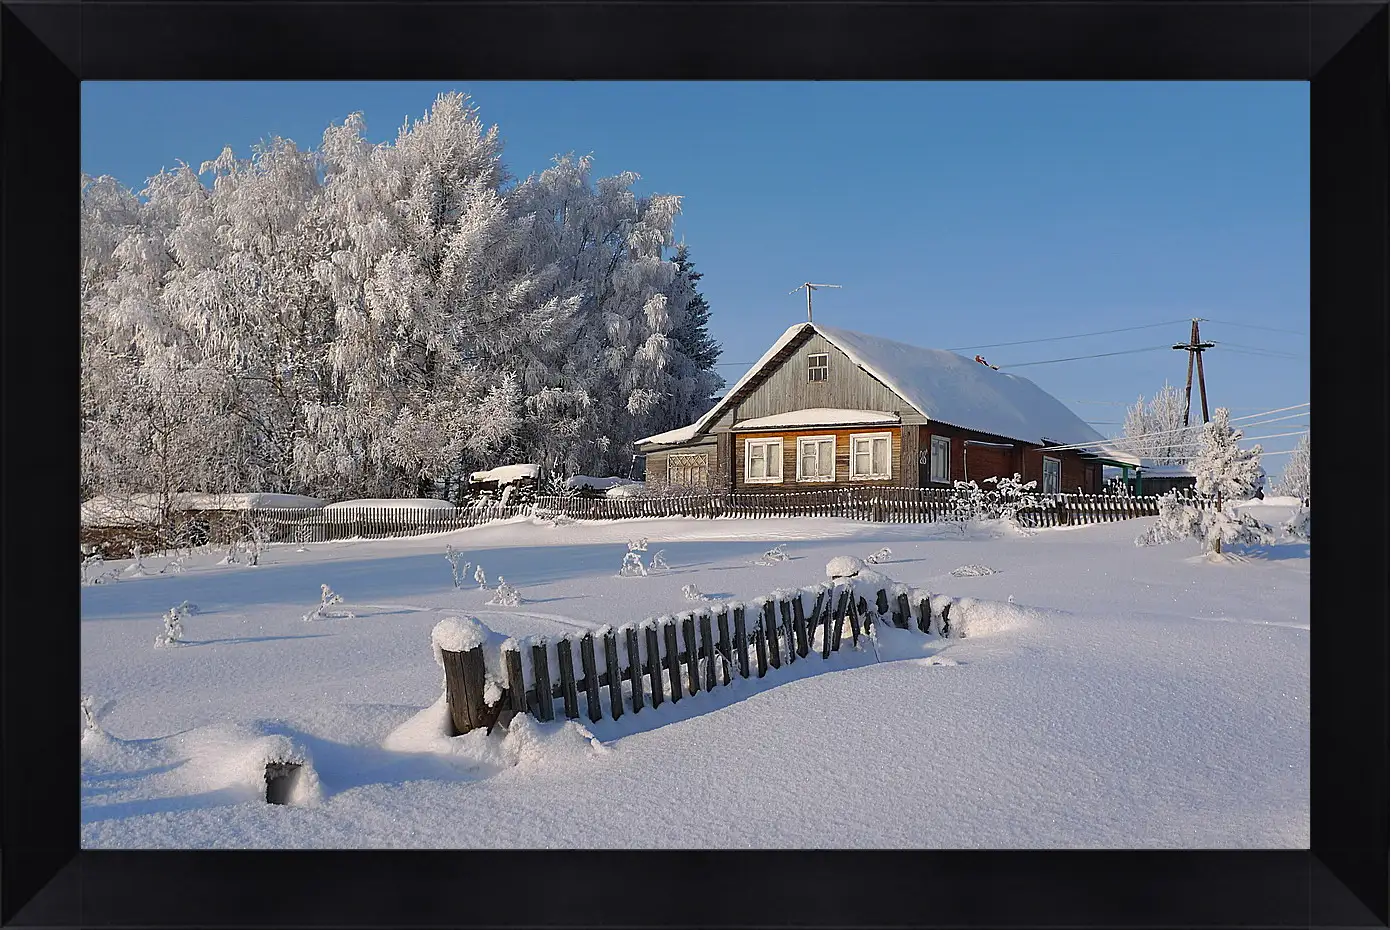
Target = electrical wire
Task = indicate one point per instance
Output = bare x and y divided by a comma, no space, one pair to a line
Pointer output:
1103,332
1273,329
1050,361
1082,446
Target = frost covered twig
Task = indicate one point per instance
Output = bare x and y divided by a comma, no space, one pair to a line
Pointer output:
658,563
632,565
505,595
327,598
774,555
173,627
692,593
881,556
458,567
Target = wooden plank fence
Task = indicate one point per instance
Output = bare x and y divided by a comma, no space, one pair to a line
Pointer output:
870,504
682,657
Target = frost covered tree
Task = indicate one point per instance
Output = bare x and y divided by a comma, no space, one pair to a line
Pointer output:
173,628
1294,481
1154,429
1226,473
632,565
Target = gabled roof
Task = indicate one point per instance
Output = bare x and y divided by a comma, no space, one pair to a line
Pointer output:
941,385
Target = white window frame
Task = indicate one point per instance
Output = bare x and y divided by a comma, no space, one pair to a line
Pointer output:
932,460
870,437
749,443
824,367
1058,487
803,440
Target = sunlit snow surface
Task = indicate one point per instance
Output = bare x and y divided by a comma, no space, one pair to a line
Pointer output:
1128,697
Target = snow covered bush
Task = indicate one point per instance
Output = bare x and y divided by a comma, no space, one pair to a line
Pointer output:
91,568
1009,496
637,545
632,566
505,595
844,566
1225,472
458,567
327,598
481,577
173,628
136,569
881,556
658,563
773,556
692,593
969,571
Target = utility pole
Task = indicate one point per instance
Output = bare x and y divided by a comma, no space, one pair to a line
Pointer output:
810,287
1194,348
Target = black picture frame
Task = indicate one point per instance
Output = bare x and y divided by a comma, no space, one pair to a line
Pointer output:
46,48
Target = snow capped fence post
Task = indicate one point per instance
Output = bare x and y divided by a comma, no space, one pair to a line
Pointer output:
460,645
722,624
673,665
654,666
615,672
688,635
925,614
770,628
760,643
591,677
516,684
630,639
567,678
707,647
881,601
741,641
904,612
799,624
785,608
835,623
541,672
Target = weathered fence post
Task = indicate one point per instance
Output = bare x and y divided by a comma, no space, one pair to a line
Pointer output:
541,672
839,619
688,634
881,601
760,642
630,639
904,617
707,646
567,678
770,628
789,637
854,621
615,672
516,684
741,642
945,623
464,676
799,624
654,666
591,677
722,623
673,659
925,615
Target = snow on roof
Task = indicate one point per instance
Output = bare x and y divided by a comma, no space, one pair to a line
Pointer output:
382,503
127,510
959,391
504,473
680,434
819,416
598,484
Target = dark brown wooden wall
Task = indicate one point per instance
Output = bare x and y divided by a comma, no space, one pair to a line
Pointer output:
789,458
985,461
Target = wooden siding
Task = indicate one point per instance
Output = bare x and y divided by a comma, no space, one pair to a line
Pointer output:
789,458
657,464
784,387
986,461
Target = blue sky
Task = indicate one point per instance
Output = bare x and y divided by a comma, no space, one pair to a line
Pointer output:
955,215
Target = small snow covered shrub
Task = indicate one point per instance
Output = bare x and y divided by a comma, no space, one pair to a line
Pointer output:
91,568
692,593
968,504
658,564
773,556
505,595
327,598
881,556
173,628
637,545
457,566
137,567
480,577
632,566
1009,497
1180,518
968,571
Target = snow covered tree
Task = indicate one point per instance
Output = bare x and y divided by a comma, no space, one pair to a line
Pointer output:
1154,429
173,628
1294,481
1226,473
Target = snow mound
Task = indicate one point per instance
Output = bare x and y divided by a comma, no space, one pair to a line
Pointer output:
223,757
969,571
844,566
972,618
507,473
525,741
597,484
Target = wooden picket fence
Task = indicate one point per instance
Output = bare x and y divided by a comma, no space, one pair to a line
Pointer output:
869,504
674,657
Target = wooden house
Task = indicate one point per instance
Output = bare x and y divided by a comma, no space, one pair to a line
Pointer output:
827,407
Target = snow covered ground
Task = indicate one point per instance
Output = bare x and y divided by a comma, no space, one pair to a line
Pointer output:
1128,697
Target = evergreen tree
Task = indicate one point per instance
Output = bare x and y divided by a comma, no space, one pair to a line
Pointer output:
692,337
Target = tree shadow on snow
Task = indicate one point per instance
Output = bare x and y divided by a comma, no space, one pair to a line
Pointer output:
248,639
1280,552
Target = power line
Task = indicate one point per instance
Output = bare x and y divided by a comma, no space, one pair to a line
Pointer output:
1103,332
1224,342
1273,329
1074,358
1167,432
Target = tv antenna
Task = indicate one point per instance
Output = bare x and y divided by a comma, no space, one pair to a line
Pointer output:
810,287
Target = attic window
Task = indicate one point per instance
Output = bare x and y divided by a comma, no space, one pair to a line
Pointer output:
817,367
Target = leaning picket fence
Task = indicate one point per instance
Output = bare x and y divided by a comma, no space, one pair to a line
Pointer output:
670,658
